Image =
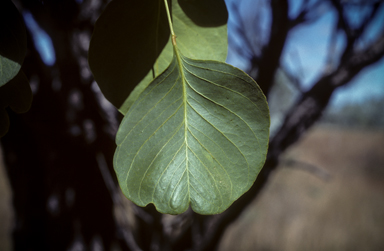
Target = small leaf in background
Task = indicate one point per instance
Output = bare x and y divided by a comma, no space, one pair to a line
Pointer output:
13,41
137,38
196,136
127,39
17,95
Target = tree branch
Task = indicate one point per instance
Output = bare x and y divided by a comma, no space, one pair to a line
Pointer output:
307,14
272,51
352,34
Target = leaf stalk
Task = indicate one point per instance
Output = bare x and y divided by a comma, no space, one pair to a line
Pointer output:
170,23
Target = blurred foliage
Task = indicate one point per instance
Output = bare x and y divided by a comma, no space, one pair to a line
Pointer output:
368,113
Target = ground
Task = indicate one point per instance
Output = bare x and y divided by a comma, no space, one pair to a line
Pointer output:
301,211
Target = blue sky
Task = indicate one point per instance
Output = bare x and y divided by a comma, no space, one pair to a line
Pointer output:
41,39
306,50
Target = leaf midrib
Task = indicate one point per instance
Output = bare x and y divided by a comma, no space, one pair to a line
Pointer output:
181,71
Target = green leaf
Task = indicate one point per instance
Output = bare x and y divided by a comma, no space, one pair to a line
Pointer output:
13,41
127,39
138,40
17,95
196,136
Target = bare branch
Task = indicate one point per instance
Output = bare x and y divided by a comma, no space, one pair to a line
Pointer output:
309,13
272,51
352,34
355,62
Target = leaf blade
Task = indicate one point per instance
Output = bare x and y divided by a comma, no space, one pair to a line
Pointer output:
190,133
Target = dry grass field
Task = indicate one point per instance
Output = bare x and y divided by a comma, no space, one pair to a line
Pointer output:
299,210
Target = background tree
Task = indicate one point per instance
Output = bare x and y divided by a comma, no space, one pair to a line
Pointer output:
59,154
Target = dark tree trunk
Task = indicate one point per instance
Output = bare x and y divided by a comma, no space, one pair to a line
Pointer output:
51,152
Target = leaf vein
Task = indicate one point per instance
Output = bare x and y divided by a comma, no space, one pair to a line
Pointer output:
220,86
